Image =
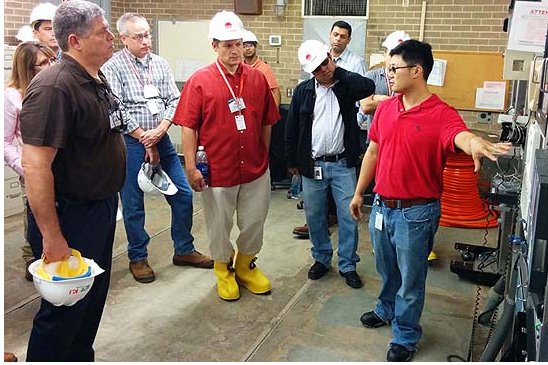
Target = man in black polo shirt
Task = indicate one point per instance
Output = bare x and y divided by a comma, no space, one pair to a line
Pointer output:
74,163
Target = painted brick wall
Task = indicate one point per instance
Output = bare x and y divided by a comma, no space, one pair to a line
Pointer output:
471,25
16,14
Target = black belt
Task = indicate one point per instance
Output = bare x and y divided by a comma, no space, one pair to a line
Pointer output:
404,203
331,158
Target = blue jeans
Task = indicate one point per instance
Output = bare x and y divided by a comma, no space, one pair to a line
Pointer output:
133,200
342,181
401,257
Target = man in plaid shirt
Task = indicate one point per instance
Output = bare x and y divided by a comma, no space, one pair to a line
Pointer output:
145,85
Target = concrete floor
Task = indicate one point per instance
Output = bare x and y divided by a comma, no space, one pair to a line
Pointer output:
180,318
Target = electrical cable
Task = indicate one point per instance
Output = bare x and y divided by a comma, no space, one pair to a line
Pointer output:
461,205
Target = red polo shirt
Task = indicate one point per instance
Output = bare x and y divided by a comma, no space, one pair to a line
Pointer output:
235,156
413,146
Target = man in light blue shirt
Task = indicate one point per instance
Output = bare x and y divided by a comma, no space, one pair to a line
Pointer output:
339,39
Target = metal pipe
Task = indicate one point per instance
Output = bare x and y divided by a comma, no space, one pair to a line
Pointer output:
505,323
423,20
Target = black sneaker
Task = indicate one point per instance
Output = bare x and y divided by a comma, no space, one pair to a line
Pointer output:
353,280
399,353
317,270
372,320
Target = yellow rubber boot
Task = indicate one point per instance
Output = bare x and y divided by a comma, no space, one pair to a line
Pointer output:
227,287
433,256
250,276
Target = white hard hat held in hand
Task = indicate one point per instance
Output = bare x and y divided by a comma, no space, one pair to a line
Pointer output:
311,54
64,282
394,39
154,181
226,26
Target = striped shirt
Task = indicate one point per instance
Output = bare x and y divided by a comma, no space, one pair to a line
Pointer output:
327,125
127,76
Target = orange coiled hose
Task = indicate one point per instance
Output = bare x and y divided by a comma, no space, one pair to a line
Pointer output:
461,205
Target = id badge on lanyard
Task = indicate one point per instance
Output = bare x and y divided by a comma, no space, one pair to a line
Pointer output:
235,104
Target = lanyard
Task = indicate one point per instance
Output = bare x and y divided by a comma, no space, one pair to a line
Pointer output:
237,99
136,72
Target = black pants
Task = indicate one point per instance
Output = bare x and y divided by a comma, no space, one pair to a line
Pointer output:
67,333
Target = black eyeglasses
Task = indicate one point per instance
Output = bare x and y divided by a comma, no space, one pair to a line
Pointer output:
324,63
393,69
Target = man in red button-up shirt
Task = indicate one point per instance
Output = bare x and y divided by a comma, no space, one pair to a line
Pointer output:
228,108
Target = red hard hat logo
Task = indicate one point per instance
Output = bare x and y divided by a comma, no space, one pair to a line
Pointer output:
308,57
228,25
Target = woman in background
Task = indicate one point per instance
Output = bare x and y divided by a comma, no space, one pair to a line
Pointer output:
30,58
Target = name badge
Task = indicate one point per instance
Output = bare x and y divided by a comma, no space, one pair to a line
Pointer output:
153,107
378,221
150,91
318,173
240,122
233,105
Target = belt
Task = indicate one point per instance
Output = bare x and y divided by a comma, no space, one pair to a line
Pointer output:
404,203
331,158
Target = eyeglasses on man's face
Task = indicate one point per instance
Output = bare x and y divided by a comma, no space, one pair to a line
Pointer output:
393,69
46,62
323,64
140,36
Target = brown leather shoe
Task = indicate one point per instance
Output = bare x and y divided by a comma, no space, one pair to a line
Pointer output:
141,271
195,259
301,231
9,357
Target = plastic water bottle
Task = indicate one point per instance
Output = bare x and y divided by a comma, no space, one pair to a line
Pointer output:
295,186
202,163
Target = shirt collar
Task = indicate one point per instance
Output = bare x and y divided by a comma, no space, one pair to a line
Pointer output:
138,61
79,73
343,56
239,70
317,84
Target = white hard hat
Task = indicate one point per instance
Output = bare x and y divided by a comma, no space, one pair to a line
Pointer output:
394,39
154,181
43,11
25,34
226,26
249,36
311,54
68,290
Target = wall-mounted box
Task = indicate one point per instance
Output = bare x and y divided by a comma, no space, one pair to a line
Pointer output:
248,7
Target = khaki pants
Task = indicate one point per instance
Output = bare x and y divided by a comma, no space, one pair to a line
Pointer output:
251,202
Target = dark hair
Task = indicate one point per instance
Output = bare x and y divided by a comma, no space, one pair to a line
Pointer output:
344,25
414,52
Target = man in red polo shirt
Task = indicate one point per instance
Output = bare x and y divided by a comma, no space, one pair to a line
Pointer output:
228,108
411,136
